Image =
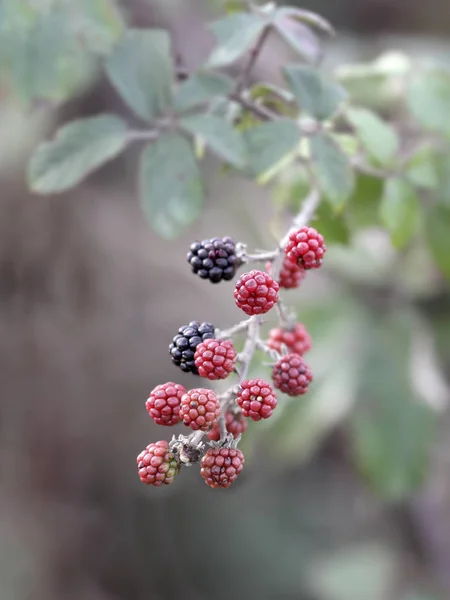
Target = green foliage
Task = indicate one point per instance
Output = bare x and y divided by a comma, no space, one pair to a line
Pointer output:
140,68
170,184
200,88
378,139
437,228
332,169
77,150
400,211
429,100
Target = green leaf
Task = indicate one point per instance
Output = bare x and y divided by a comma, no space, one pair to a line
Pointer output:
317,96
219,135
334,228
79,148
332,169
377,137
298,35
306,17
235,35
200,88
392,429
269,143
170,185
437,231
443,174
428,97
364,203
140,68
97,22
400,211
422,168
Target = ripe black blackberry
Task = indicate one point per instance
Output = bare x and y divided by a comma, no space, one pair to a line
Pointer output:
214,259
182,348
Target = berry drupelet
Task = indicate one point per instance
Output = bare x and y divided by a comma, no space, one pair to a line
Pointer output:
235,424
297,340
215,359
306,247
183,346
256,292
220,467
291,375
157,464
163,404
200,409
256,399
214,259
291,275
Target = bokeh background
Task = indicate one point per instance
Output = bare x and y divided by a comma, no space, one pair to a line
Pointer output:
345,496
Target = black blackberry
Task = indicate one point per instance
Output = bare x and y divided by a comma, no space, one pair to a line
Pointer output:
214,259
182,348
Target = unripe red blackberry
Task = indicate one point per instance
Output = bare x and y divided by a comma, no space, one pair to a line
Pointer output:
256,399
291,275
235,424
163,404
214,259
291,375
256,292
183,346
297,340
157,464
199,409
306,247
215,359
220,467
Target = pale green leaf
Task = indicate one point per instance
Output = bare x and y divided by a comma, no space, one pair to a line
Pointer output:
219,135
334,228
200,88
140,68
307,17
437,231
79,148
171,190
269,143
235,35
98,23
400,211
298,35
317,96
377,137
332,169
428,97
422,168
364,203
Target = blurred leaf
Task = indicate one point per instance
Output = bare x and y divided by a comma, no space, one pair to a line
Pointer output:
170,185
437,231
219,135
377,137
97,23
428,97
421,168
140,68
79,148
332,169
200,88
443,174
275,98
348,143
364,203
299,36
307,17
269,143
400,211
392,430
235,35
333,227
317,96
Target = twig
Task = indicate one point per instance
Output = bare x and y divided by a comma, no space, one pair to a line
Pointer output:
254,54
246,355
228,333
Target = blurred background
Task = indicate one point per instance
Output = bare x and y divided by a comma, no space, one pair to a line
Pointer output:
345,494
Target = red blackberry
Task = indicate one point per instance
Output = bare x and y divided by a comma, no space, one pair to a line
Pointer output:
157,464
256,292
183,345
163,404
214,259
235,424
306,247
220,467
291,375
257,399
291,275
297,340
215,359
199,409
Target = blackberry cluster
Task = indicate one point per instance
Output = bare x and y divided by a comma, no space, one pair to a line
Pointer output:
183,346
214,259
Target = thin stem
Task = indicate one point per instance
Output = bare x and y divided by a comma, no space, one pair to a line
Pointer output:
146,135
228,333
196,437
246,355
254,54
263,113
273,354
